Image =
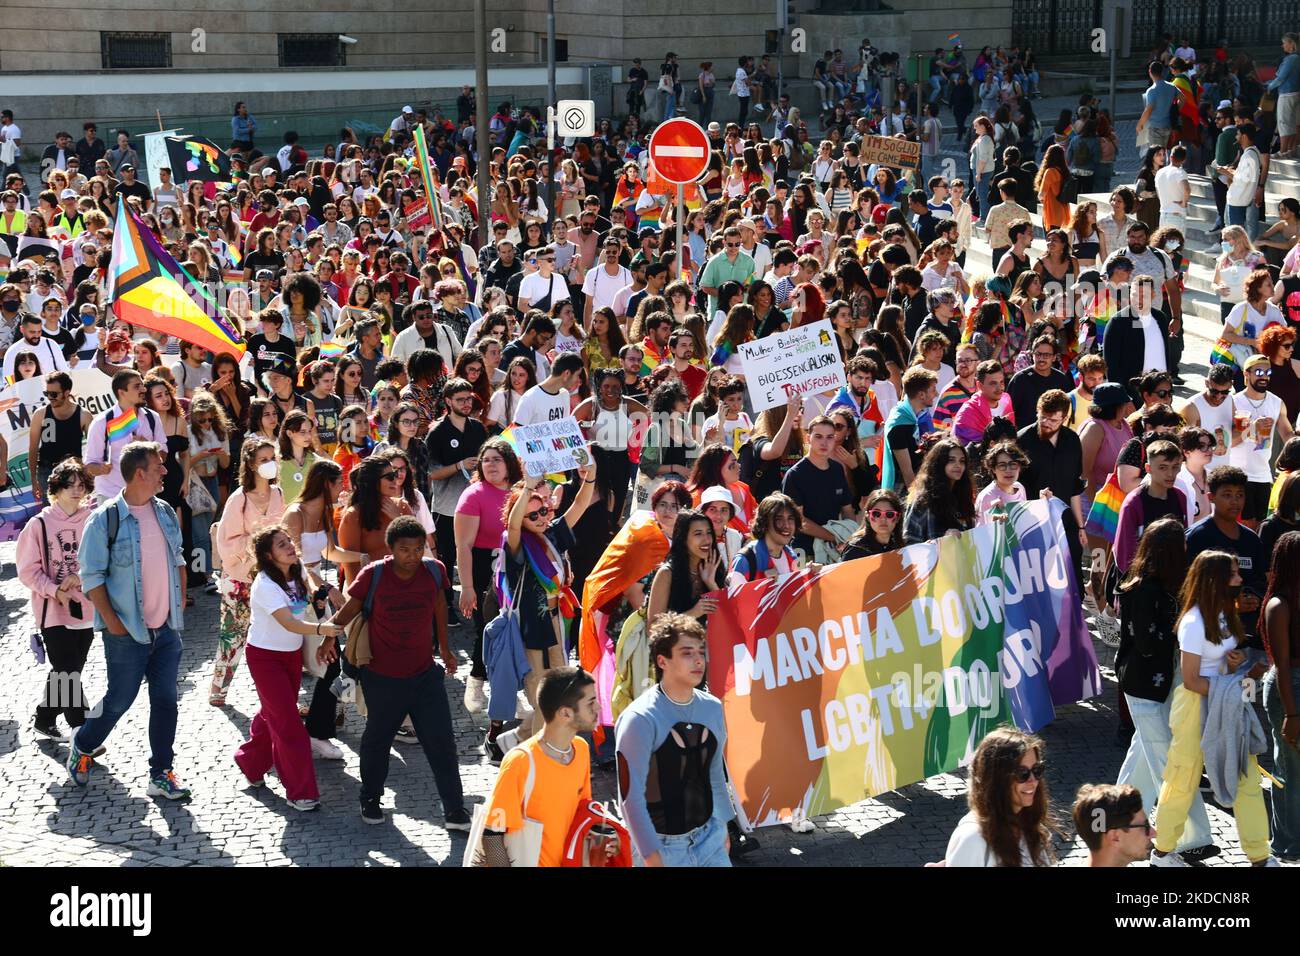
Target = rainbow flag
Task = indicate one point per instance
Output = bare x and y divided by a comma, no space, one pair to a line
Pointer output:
1221,354
149,289
123,425
1103,516
331,349
427,176
623,194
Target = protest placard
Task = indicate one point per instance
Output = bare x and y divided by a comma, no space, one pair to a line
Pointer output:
550,447
849,681
801,360
93,391
888,151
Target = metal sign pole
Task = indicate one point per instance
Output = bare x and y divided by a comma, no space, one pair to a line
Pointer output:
679,217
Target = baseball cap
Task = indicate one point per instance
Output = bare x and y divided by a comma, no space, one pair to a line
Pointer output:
68,194
717,493
647,233
265,274
714,128
407,109
746,224
1110,395
1255,361
301,201
1224,105
125,166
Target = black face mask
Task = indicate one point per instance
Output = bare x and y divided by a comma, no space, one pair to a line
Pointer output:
11,306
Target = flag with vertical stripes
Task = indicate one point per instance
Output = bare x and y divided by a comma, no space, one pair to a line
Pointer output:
428,177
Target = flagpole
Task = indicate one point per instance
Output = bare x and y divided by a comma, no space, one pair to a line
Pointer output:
481,122
158,113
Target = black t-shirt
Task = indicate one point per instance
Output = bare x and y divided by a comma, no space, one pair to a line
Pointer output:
64,339
137,189
447,443
264,260
264,353
1252,560
866,546
327,416
903,437
1027,387
1291,301
821,492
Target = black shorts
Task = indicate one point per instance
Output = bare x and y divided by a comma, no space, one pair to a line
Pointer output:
1257,493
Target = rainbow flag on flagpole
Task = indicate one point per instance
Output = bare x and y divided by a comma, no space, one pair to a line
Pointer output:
1103,516
149,289
426,177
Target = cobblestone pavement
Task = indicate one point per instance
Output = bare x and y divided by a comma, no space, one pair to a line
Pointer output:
50,821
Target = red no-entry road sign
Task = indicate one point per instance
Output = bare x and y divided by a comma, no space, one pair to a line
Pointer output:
679,149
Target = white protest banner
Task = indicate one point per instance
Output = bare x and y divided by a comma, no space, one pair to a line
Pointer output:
550,447
801,360
93,391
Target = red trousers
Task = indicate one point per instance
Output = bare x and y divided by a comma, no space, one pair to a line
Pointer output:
277,736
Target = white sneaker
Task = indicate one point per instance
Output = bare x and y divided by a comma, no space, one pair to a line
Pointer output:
305,805
523,711
475,699
508,741
1169,859
325,750
1271,861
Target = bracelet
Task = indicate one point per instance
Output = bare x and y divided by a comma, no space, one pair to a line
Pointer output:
589,481
318,629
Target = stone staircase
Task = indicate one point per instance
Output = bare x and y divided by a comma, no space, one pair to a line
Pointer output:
1201,312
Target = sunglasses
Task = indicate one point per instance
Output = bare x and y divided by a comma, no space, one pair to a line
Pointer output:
1146,825
1261,372
880,514
1022,774
53,395
1220,392
543,512
388,476
1163,392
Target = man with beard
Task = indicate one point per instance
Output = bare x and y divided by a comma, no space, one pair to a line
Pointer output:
1030,384
858,396
1148,260
1055,465
1212,410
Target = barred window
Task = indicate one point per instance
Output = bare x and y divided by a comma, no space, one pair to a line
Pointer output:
135,51
311,49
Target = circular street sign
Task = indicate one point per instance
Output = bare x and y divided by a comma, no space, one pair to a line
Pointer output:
679,149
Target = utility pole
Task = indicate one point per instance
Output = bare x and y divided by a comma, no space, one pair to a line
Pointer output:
550,92
484,147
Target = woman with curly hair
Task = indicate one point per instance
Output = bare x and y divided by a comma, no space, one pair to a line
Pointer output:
1010,822
942,498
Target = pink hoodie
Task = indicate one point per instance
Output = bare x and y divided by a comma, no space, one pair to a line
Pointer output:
43,572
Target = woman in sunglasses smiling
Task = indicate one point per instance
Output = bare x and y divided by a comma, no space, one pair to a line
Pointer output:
882,527
1010,820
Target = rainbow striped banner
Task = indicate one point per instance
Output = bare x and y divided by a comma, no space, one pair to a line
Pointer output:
862,677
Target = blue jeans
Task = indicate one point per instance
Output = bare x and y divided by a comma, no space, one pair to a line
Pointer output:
1237,215
936,88
705,846
1144,766
667,106
1286,765
129,663
982,184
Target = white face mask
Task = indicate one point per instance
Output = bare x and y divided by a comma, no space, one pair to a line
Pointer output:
1173,245
268,470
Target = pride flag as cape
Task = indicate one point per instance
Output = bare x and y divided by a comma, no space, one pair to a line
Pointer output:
1103,516
636,550
147,288
623,193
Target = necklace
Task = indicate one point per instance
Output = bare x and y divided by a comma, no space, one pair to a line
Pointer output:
676,703
563,754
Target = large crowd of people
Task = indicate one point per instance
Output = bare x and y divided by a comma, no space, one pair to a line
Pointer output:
351,488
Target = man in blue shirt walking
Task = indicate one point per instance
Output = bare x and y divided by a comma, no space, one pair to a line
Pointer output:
130,559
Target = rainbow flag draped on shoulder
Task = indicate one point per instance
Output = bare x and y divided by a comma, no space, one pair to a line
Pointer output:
149,289
1103,516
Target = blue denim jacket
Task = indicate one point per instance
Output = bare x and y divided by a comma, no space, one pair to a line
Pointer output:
1287,79
120,571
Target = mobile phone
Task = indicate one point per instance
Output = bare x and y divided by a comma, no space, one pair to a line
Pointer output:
74,608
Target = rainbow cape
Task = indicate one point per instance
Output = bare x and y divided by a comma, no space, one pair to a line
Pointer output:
1103,516
624,194
427,177
123,425
547,567
721,352
149,289
650,360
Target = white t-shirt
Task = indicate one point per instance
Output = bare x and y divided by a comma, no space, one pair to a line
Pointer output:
497,407
47,352
265,597
740,86
729,437
1253,454
1244,320
1153,345
601,287
1191,638
1187,485
886,397
539,405
762,256
1169,187
931,280
967,846
535,287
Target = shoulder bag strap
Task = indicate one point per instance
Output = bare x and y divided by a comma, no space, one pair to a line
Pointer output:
45,565
369,602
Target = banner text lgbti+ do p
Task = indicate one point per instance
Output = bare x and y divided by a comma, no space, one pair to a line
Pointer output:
869,675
